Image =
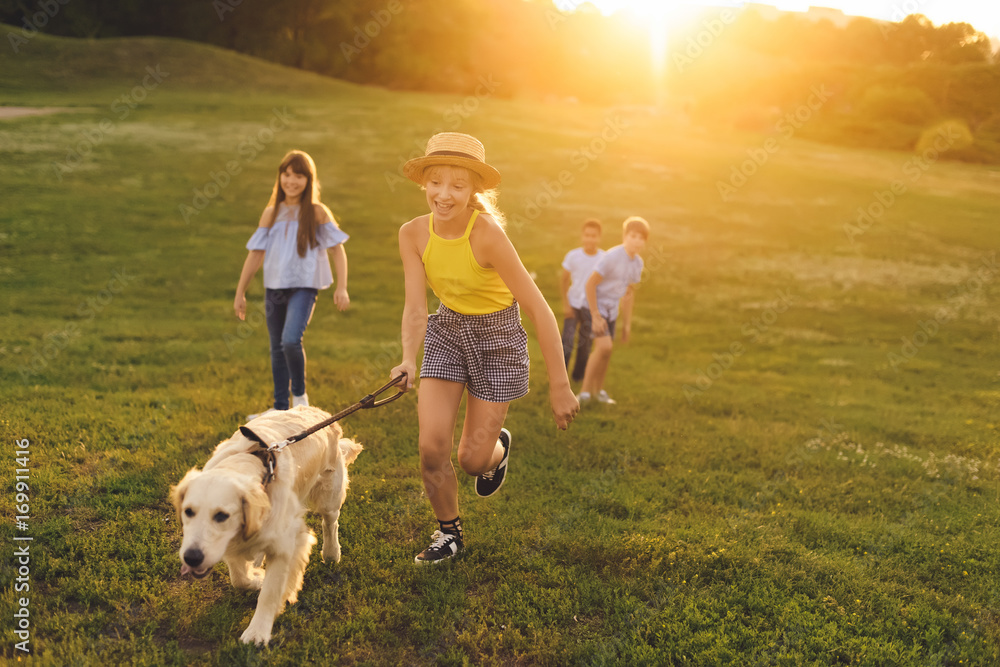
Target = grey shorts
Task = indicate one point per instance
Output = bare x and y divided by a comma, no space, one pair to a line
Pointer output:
583,315
487,353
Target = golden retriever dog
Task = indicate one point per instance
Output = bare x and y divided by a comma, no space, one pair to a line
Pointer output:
228,514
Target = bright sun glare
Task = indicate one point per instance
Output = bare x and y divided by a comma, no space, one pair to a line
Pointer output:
659,17
656,16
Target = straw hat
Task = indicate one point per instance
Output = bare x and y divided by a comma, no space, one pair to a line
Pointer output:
455,149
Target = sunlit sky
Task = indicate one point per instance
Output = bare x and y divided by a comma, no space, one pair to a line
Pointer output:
984,15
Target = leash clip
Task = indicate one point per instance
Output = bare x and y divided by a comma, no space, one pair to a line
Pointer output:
268,457
278,446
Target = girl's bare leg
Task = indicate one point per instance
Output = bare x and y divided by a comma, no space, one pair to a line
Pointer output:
437,410
479,451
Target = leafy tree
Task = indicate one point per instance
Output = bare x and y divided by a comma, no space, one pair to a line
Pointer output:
901,104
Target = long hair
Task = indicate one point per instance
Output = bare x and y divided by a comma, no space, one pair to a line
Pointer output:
301,163
486,201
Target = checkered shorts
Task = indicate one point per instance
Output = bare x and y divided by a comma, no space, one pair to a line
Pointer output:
487,353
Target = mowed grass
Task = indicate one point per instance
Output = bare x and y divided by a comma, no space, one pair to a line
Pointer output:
802,467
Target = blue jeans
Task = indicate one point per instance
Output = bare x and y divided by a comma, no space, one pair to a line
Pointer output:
570,325
288,311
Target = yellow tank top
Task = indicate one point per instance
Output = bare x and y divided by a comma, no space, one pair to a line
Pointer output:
458,279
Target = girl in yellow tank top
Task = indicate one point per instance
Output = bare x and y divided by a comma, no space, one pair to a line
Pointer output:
458,279
475,340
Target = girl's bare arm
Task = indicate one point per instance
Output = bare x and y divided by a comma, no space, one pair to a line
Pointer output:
414,324
493,248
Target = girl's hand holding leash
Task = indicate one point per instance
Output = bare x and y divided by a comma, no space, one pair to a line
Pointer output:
410,369
340,298
564,405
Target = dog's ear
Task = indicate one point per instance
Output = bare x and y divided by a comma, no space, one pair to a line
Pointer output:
350,450
256,505
177,492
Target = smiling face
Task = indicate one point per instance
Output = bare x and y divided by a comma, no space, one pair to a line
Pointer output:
449,191
293,184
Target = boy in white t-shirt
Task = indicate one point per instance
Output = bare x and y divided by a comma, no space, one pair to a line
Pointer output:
577,266
612,281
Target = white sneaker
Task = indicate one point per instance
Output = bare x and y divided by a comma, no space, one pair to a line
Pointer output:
300,400
254,416
583,397
602,397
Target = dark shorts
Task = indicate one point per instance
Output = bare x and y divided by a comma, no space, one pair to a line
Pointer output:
585,317
487,353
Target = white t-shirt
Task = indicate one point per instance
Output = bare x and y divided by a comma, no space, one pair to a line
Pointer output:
580,265
618,271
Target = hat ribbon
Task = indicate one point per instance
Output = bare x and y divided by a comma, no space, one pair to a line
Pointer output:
454,154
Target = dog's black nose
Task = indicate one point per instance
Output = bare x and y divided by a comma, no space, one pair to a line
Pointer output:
193,557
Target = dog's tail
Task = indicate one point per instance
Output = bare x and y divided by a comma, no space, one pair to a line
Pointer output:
350,450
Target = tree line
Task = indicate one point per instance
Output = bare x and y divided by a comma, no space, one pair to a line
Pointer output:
890,82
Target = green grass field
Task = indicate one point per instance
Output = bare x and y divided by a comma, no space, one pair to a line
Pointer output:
803,467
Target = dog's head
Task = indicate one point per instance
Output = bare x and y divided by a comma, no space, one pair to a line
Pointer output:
215,508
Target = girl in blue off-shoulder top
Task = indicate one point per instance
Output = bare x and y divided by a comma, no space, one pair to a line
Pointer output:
295,234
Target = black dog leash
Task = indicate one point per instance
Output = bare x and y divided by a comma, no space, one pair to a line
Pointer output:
269,453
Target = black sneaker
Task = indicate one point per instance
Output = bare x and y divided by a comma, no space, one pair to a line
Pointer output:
443,546
490,482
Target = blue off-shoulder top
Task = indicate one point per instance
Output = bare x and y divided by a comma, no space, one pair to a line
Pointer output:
283,268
